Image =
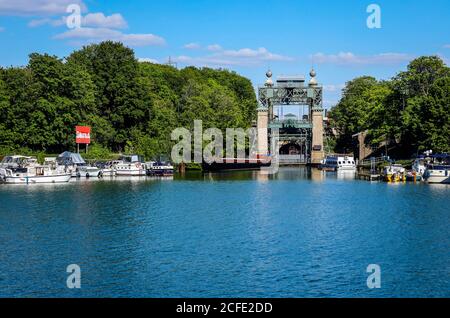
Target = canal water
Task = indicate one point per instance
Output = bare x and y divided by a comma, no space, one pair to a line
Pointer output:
300,233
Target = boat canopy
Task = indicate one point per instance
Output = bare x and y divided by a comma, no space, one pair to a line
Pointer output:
441,156
132,158
70,158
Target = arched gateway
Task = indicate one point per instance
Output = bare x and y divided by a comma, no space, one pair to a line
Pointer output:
300,132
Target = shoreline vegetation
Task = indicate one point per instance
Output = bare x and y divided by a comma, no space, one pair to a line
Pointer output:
133,106
409,113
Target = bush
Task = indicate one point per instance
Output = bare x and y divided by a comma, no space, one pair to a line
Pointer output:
98,152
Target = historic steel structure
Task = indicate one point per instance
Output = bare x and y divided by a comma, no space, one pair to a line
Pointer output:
300,132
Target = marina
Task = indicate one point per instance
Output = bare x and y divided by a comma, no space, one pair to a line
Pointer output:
26,170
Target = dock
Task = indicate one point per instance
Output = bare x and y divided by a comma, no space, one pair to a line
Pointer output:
369,176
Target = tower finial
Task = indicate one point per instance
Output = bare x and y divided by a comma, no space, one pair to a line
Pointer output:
269,81
313,80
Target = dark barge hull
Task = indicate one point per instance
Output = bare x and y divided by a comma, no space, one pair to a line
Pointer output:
234,165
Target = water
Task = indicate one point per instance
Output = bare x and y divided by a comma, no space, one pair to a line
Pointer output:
298,234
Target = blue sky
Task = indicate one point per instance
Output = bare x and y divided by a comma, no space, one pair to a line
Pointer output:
246,36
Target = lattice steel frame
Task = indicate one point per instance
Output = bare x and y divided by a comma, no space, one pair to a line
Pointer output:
310,96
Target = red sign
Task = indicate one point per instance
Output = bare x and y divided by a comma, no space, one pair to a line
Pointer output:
83,134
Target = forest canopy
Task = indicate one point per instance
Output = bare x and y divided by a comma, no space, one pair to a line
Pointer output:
131,106
411,111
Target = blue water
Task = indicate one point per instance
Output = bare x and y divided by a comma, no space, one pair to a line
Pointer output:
300,233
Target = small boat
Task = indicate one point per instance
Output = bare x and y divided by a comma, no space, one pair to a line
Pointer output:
75,164
438,169
418,170
33,174
132,165
394,173
17,161
159,168
109,168
413,176
338,163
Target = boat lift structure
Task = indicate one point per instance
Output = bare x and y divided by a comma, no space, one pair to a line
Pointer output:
296,139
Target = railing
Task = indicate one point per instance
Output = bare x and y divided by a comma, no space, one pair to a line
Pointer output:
373,161
288,121
295,123
292,159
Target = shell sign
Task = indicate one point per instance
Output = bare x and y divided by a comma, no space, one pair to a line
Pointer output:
83,134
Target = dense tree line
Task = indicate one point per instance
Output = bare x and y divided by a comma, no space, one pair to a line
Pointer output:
131,106
411,111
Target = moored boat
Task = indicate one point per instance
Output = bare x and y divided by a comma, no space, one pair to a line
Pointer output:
438,169
394,173
33,174
159,168
75,164
17,161
338,163
131,165
109,168
226,164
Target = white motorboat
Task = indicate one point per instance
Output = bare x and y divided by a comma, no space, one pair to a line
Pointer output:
438,169
159,168
339,163
419,166
75,164
131,165
33,174
109,168
394,173
17,161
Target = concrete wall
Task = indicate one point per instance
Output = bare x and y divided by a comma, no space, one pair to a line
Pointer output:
262,126
317,136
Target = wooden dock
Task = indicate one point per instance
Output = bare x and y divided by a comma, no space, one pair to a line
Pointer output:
369,176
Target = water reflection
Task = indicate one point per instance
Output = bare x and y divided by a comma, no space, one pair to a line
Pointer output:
346,175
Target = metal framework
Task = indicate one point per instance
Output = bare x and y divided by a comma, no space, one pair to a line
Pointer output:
310,96
292,91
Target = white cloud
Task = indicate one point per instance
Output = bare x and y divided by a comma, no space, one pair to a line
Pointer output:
149,60
261,54
46,21
2,29
214,47
348,58
93,35
242,57
96,20
37,7
99,20
192,46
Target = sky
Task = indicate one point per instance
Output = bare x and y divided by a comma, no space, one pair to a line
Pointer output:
246,36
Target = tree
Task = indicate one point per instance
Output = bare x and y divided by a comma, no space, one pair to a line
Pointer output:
413,107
